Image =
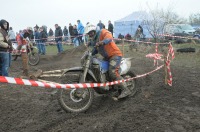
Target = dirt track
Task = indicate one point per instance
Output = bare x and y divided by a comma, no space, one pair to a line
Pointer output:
155,108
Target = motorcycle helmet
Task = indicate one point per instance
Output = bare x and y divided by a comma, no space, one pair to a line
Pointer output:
89,28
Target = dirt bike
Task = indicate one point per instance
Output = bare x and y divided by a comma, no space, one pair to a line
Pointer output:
33,56
93,70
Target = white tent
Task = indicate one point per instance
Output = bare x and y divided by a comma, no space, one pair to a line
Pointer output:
130,23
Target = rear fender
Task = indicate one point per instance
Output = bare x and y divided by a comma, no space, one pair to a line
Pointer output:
79,69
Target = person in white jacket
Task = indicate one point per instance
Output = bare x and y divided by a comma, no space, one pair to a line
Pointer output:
11,35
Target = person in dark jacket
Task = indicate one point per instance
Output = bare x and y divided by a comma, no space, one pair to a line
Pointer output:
100,25
65,32
58,38
75,38
110,27
36,35
5,48
71,32
50,32
42,40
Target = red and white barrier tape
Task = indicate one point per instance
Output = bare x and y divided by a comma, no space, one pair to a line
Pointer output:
170,52
155,56
33,83
172,36
132,40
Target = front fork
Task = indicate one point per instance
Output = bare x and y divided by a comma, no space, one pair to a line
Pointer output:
80,92
85,70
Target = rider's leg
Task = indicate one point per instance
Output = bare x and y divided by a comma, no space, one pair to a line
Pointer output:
114,64
103,80
19,47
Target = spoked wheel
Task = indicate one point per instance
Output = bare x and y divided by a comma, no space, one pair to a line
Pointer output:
34,58
75,100
131,85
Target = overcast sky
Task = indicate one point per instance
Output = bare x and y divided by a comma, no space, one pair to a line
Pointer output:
23,13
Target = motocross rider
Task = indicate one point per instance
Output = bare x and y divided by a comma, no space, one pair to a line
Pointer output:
103,43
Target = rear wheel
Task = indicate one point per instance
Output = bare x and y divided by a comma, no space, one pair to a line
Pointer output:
34,58
75,100
131,85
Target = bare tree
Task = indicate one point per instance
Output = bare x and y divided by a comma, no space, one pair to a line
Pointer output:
194,19
159,18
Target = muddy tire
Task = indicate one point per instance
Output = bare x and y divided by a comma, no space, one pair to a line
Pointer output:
75,100
131,84
33,59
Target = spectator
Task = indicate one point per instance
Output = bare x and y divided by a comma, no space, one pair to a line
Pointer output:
65,32
80,29
142,34
5,48
51,37
86,36
128,36
71,33
50,32
58,38
36,35
42,40
45,29
11,35
36,26
120,36
110,27
100,25
75,39
138,33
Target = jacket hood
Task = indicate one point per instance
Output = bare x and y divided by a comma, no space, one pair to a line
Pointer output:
58,27
1,24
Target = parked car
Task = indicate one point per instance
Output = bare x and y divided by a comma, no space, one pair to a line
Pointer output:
179,28
182,30
197,33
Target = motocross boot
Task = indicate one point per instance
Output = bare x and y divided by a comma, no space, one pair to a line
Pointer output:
125,91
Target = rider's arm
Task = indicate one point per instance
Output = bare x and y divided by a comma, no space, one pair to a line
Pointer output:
2,43
106,37
107,41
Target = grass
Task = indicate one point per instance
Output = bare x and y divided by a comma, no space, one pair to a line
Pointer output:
190,60
52,49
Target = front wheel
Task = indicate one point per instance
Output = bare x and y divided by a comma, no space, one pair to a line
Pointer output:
75,100
131,85
34,58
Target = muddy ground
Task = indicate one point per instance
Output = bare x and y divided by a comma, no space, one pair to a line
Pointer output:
156,107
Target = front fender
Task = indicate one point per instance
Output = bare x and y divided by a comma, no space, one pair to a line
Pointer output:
79,69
